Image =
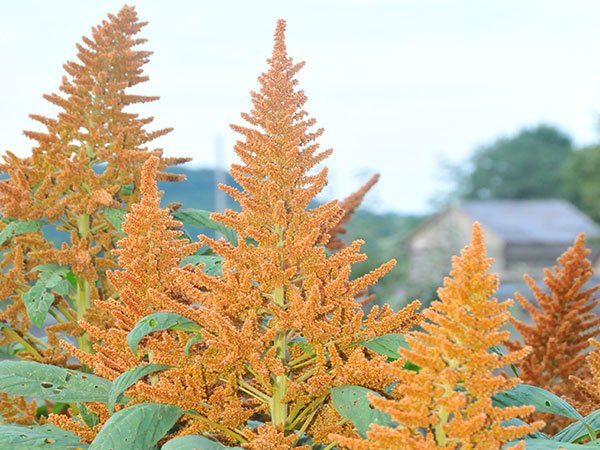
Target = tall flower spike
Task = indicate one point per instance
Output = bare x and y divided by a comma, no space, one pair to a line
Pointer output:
350,204
279,285
563,322
92,128
448,403
149,257
88,158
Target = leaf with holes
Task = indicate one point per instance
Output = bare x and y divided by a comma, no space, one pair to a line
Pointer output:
158,322
201,219
33,379
388,345
212,263
352,403
544,401
34,437
128,379
39,298
194,442
17,227
138,427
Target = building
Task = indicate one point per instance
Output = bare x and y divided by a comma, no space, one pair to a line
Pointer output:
523,236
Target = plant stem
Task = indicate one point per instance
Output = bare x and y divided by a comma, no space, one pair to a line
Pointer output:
82,299
278,407
18,338
222,428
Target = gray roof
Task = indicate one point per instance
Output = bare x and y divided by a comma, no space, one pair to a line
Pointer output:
548,221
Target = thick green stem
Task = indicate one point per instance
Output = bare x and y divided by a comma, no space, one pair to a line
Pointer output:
82,299
279,408
18,338
442,413
233,434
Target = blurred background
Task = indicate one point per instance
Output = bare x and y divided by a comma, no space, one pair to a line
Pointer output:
469,110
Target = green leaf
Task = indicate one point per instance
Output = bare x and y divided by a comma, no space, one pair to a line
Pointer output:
39,298
212,263
115,217
194,442
33,437
71,278
548,444
351,402
577,431
388,345
157,322
126,189
17,227
128,379
201,219
544,401
33,379
194,339
9,351
138,427
89,417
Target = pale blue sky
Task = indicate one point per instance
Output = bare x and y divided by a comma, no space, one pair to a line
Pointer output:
399,86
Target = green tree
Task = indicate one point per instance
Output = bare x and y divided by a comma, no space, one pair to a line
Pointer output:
530,164
582,180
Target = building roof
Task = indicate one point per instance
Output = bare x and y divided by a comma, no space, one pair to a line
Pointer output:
540,221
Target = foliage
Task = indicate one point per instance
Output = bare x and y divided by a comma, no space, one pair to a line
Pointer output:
528,165
581,180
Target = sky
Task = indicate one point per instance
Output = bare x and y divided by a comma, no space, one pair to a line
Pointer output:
401,87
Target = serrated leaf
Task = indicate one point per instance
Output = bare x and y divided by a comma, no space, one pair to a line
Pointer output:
34,437
194,442
39,298
351,402
212,263
577,431
33,379
138,427
388,345
128,379
158,322
17,227
201,219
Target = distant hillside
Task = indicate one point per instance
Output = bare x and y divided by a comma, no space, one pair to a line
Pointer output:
197,191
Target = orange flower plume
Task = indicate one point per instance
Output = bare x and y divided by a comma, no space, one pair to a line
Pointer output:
280,327
448,403
350,204
85,164
563,322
